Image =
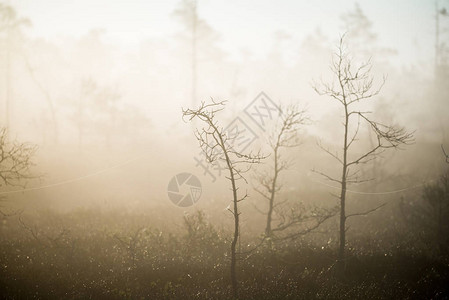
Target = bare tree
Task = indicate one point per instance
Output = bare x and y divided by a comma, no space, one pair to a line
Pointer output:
218,146
284,136
296,221
15,163
353,86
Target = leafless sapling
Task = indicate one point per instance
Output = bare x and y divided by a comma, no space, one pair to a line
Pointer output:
218,146
351,86
285,135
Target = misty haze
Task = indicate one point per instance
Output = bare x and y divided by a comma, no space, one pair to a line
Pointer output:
206,149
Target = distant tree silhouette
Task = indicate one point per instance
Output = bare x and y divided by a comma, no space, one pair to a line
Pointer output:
87,91
440,89
202,41
10,28
48,98
360,35
97,113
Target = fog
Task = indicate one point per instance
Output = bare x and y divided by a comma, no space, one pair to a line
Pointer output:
101,90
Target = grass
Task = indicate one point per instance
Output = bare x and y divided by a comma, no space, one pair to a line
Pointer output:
85,255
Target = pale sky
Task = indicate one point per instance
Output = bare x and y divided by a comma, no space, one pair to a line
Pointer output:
405,25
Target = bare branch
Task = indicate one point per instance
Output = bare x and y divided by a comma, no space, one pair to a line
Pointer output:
334,155
15,161
445,155
284,135
366,212
312,221
326,176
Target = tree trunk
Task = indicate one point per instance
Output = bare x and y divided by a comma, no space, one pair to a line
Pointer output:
341,251
268,226
272,195
233,252
236,228
235,240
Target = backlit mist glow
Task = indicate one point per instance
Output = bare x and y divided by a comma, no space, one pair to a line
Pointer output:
212,149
